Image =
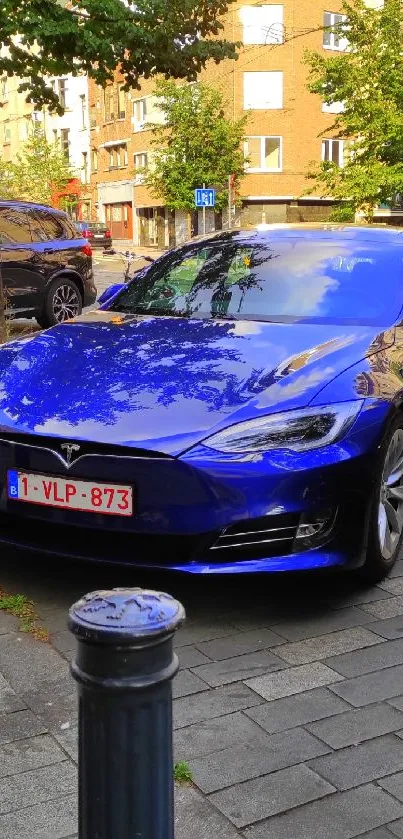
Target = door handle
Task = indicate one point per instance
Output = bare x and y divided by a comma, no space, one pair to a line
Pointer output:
48,250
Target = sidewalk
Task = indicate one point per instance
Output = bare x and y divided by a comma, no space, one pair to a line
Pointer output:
38,747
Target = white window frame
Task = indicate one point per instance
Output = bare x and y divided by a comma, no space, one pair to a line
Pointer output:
4,88
336,43
138,124
6,133
258,31
341,143
263,138
272,103
120,149
139,179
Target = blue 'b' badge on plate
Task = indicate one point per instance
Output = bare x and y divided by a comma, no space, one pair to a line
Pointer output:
12,480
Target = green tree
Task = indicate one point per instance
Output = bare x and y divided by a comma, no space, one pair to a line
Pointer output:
196,145
36,172
148,37
368,79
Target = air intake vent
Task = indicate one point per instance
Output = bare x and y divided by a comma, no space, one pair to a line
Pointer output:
274,534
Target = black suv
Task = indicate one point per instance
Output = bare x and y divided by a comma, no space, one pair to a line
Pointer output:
46,263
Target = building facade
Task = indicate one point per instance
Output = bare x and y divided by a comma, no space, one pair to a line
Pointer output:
71,130
288,128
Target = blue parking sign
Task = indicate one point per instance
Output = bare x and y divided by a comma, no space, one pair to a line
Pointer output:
205,197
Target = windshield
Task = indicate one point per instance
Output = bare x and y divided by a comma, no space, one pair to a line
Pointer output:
295,279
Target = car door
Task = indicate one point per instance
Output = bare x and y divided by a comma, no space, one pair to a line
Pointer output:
50,239
21,265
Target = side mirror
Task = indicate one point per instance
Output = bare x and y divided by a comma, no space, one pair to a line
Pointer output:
110,292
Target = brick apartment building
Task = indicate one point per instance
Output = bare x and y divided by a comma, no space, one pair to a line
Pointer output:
288,127
18,118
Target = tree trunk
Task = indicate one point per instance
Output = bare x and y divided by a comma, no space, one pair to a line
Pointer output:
188,226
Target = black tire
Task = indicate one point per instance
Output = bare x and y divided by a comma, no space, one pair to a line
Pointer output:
378,564
63,301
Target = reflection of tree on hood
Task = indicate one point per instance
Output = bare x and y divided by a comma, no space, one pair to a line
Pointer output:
96,371
234,274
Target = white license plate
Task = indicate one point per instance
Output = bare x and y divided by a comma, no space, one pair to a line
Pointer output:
70,494
98,235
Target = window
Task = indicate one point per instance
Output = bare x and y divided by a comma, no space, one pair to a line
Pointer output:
121,102
3,89
93,117
333,107
264,154
109,103
64,142
333,151
94,160
24,128
117,156
285,281
62,86
333,38
140,162
6,132
83,106
262,24
139,113
47,226
262,91
84,167
14,227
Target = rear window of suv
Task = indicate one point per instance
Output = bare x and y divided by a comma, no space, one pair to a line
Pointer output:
50,226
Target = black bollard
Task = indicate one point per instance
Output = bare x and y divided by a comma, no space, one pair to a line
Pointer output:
124,666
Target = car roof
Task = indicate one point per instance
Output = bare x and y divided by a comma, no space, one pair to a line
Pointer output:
30,205
376,233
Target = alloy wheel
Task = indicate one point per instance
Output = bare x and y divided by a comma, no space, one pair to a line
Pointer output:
390,513
66,303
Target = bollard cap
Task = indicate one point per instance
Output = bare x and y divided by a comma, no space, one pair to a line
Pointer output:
125,614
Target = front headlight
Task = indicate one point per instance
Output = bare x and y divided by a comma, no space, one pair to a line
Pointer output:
298,431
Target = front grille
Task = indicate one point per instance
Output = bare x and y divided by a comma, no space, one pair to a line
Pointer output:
53,443
265,536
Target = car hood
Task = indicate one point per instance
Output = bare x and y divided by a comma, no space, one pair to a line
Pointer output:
166,383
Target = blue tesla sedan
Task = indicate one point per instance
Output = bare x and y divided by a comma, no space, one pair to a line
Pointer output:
237,407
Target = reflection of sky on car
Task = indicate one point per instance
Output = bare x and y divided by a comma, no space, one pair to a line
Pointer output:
293,280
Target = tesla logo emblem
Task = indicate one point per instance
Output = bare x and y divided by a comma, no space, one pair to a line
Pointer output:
69,448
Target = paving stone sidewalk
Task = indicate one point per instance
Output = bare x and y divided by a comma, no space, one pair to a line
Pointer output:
288,708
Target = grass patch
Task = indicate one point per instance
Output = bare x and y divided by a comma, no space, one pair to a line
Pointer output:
23,609
183,773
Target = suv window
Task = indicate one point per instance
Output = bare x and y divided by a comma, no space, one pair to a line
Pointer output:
70,228
14,227
47,227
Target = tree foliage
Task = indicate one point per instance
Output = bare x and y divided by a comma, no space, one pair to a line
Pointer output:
196,145
55,37
36,172
368,79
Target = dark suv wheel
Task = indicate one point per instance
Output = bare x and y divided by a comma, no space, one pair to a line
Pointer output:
63,302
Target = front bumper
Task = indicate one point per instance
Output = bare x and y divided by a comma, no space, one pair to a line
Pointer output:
201,513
